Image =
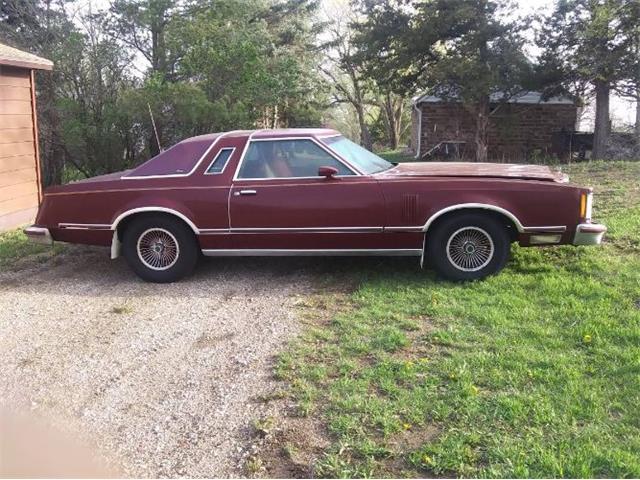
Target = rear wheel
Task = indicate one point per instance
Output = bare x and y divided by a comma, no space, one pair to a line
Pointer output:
468,247
160,249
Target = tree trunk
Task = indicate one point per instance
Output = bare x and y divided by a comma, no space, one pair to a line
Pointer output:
389,121
601,130
482,125
365,137
392,108
397,123
52,156
637,126
637,85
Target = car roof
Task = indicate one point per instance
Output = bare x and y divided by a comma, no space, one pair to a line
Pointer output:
267,133
294,132
183,157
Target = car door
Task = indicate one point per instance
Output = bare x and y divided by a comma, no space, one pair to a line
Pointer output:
279,202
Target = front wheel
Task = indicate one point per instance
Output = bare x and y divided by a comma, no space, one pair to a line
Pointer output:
468,247
160,249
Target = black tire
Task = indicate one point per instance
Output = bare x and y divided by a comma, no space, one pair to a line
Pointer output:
160,232
468,246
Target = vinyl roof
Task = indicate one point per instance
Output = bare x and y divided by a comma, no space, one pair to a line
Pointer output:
18,58
524,97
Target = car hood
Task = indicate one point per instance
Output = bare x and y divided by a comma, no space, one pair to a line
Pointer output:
468,169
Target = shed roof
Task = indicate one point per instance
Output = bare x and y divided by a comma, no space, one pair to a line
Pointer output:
18,58
524,97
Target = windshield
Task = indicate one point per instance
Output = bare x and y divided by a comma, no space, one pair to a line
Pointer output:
362,158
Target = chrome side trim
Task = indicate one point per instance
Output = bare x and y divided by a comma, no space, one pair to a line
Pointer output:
219,231
338,158
415,229
311,253
551,229
84,226
483,206
214,231
123,215
242,155
195,167
310,230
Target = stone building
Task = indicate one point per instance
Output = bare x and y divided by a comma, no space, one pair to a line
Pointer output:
521,128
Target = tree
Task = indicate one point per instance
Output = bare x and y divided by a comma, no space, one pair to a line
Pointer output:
43,28
209,66
255,61
344,71
631,85
461,50
396,120
590,41
145,27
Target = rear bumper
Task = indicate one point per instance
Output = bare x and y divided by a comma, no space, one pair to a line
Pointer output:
589,234
39,235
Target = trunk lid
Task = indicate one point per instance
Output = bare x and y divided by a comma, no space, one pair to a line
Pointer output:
468,169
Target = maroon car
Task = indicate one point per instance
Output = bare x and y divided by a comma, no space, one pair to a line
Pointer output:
313,192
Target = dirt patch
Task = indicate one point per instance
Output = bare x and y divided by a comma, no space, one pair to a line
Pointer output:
289,450
291,446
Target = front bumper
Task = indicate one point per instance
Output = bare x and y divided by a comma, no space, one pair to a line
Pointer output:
589,234
39,235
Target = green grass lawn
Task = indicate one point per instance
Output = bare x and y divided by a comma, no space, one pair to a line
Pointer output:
396,156
534,372
15,247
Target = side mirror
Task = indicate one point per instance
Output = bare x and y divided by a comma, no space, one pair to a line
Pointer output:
327,172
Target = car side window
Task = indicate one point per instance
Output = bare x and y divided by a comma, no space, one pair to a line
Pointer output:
287,159
218,163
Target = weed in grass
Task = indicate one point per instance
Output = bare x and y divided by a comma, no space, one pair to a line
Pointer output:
254,465
290,451
264,426
121,309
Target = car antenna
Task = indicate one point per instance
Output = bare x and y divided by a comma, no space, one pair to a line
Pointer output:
155,130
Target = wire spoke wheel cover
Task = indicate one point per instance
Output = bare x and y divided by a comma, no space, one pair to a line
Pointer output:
470,249
158,249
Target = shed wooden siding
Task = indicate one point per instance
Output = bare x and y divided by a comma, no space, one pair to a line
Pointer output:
19,172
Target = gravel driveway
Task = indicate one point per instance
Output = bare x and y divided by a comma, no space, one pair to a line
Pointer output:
164,377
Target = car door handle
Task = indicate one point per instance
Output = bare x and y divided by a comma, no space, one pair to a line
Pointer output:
245,192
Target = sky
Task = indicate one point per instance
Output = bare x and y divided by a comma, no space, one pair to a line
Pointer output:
622,110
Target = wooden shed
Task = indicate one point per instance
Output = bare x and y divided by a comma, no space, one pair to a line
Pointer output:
20,186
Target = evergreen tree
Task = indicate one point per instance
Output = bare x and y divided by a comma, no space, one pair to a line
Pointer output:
590,42
460,50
